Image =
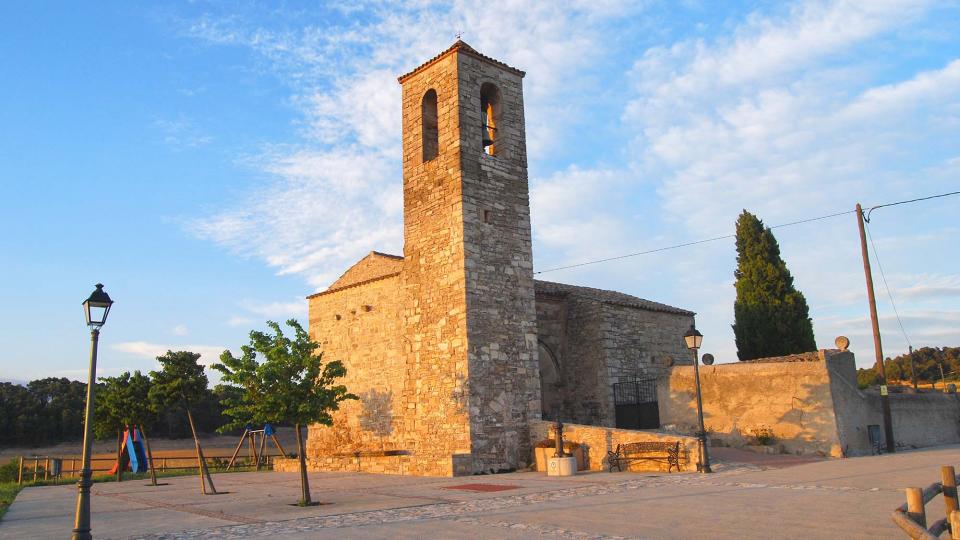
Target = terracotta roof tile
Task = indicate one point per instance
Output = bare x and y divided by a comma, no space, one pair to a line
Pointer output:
459,46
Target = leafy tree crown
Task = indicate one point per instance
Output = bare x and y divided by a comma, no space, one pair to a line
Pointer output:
282,380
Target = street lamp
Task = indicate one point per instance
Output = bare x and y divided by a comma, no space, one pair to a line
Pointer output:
96,309
693,338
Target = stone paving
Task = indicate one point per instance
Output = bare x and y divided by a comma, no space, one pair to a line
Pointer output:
848,498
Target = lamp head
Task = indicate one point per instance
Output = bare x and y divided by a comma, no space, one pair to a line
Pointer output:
693,338
97,307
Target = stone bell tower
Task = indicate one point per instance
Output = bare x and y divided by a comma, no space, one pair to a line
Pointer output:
470,348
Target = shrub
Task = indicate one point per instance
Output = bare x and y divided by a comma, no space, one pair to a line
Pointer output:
8,472
763,435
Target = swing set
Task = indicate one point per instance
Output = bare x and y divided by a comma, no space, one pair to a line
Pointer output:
257,440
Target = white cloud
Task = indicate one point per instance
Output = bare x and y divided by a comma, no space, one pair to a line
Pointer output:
277,310
182,133
792,114
180,330
239,321
144,349
338,195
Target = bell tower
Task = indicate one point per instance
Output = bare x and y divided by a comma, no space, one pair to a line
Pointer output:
471,383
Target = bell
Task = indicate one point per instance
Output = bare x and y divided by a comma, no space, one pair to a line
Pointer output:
487,141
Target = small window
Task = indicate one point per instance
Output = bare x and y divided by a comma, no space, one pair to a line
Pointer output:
431,135
490,117
487,218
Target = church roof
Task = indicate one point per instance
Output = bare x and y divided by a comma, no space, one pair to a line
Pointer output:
605,296
459,46
374,266
377,265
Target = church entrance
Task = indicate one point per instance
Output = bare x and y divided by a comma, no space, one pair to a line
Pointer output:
635,404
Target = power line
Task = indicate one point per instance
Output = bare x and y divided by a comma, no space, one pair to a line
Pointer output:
714,239
676,246
884,278
872,208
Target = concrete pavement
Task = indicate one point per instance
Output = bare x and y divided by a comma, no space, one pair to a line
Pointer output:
849,498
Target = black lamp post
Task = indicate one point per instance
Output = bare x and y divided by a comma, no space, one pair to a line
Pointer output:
693,338
96,309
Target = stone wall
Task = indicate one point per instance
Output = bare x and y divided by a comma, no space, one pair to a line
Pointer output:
919,420
504,382
810,402
597,441
434,317
792,399
598,343
360,326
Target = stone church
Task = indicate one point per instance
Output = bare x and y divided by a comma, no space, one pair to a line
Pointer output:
454,348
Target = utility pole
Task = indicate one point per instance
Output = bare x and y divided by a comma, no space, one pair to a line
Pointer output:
913,369
878,348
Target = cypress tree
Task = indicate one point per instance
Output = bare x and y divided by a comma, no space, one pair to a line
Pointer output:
771,317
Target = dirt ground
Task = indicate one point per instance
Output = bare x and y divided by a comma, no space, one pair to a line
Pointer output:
104,452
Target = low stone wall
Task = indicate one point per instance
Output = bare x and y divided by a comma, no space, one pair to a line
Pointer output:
919,420
790,396
597,441
810,403
401,464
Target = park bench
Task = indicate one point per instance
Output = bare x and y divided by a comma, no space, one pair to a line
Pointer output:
648,450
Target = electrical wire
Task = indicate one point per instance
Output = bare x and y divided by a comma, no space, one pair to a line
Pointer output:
872,208
714,239
876,256
676,246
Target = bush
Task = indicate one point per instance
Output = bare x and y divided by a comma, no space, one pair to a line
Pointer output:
763,435
8,472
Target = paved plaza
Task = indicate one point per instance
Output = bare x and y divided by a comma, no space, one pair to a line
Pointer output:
746,498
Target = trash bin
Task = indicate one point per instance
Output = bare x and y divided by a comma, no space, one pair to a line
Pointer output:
876,442
56,467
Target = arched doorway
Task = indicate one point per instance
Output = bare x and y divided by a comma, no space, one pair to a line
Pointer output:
550,382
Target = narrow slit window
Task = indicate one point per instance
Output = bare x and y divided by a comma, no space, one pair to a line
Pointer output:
490,109
431,134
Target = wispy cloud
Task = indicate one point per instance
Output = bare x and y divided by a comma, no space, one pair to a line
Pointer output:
144,349
790,112
338,194
181,133
276,310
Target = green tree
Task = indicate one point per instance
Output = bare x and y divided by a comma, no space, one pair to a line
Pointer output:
19,415
291,385
60,416
124,401
181,384
771,317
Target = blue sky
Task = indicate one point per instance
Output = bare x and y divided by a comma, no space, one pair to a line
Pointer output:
213,163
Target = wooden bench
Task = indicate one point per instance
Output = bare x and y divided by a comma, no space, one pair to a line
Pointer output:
649,450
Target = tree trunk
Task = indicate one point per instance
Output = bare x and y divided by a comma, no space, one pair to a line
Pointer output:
200,461
119,454
304,481
146,444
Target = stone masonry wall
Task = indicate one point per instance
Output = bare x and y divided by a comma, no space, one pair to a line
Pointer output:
360,326
436,421
640,343
504,382
599,343
792,399
925,419
597,441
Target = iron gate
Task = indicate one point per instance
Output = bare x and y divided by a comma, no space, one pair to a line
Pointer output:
635,404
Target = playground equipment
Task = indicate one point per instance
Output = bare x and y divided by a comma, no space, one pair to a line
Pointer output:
257,439
133,456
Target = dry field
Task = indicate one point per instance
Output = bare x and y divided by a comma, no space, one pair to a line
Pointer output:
168,450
